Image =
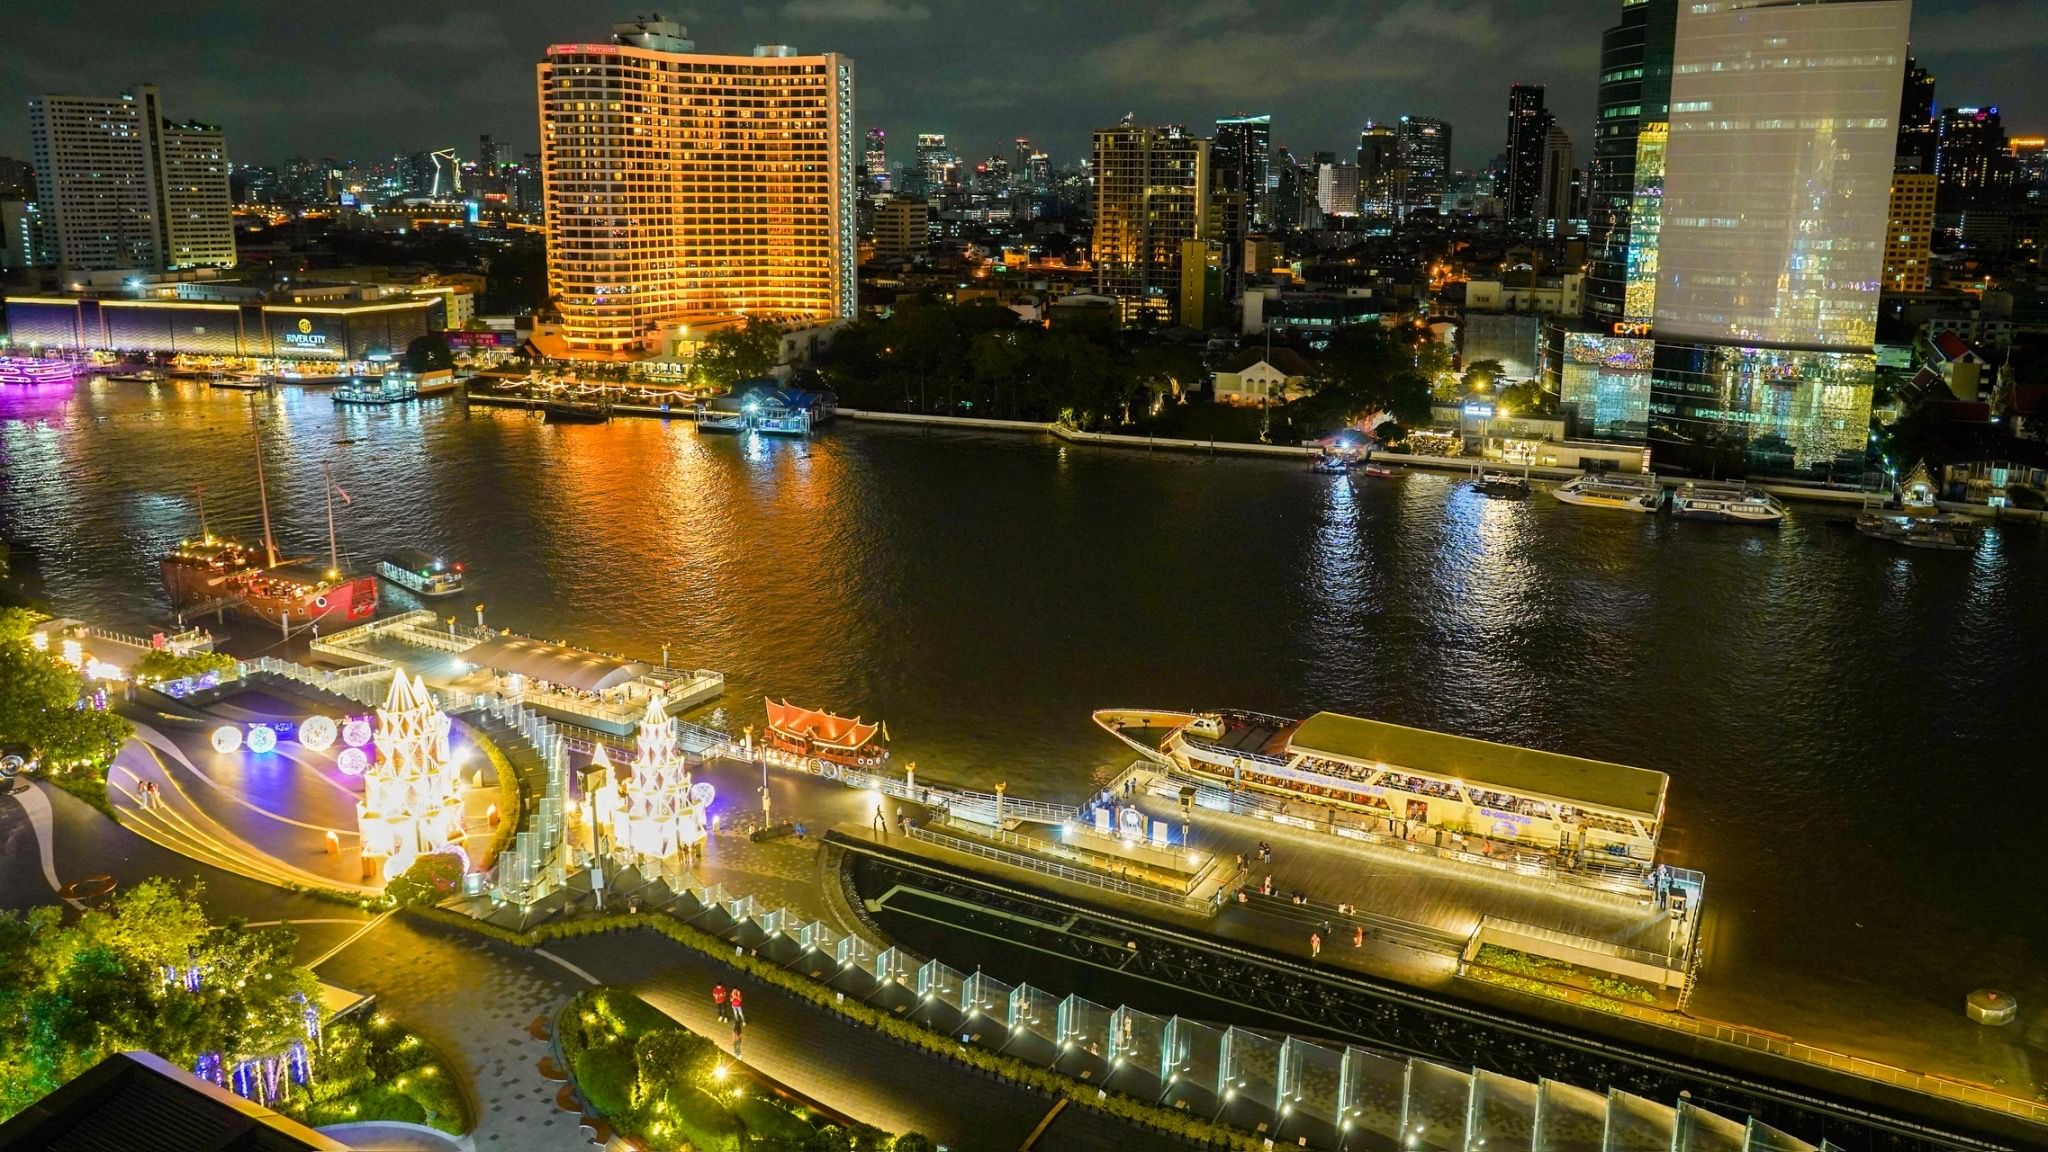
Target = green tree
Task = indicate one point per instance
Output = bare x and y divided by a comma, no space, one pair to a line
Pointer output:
740,352
164,664
429,353
1480,375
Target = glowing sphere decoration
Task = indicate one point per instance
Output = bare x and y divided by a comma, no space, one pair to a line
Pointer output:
317,733
701,794
227,739
262,739
356,732
352,762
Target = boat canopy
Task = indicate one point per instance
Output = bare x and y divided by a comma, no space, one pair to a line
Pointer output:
1520,771
414,560
554,663
820,728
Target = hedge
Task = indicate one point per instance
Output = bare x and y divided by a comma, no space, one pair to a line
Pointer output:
511,799
1010,1068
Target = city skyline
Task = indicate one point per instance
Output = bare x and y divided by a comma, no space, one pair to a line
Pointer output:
1320,72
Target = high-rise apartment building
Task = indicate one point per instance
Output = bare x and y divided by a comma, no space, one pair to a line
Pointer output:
1529,124
1909,236
685,187
1379,171
1425,152
1765,332
122,188
1919,132
1242,157
902,229
1152,188
1973,160
1635,90
1337,189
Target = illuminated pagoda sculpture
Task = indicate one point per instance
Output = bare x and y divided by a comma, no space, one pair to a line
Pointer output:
412,795
660,812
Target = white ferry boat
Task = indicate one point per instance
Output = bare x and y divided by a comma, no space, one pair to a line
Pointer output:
1413,784
1733,503
422,572
1626,491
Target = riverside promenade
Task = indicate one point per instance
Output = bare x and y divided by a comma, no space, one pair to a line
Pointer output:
1409,936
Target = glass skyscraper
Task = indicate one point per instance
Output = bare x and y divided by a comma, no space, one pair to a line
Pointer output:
1635,89
1771,226
1242,154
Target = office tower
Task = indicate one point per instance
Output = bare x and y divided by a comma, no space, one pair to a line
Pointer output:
1556,202
1020,167
527,186
1425,153
1283,199
1528,127
1765,333
1151,193
1909,236
1635,90
1202,279
902,229
1242,157
1040,166
1919,134
2030,164
686,187
487,161
1973,161
1337,189
876,159
937,164
1379,166
122,188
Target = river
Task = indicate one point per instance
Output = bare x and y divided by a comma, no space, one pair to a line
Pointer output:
1855,733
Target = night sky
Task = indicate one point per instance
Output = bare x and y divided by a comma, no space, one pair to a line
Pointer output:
370,78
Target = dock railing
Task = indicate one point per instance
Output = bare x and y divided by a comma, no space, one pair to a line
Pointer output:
1044,867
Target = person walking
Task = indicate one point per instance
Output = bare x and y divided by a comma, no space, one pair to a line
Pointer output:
1315,944
718,1001
1358,936
739,1015
738,1029
878,820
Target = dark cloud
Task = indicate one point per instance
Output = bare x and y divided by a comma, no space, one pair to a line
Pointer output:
377,77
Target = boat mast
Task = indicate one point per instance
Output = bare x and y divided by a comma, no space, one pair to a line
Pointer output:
263,498
333,549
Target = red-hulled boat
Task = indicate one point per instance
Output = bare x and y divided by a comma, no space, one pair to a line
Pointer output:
823,736
215,572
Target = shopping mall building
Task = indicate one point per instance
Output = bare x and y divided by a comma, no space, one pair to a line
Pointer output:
311,329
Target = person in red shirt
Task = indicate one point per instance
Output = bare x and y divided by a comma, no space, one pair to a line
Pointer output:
718,999
739,1016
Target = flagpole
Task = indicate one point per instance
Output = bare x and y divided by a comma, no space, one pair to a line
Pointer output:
333,549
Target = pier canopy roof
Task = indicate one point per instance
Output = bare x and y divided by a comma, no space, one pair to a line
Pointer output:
554,663
820,728
1520,771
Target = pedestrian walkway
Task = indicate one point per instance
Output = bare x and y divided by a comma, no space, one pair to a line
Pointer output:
843,1065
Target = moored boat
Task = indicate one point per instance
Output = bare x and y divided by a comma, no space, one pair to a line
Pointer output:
238,383
1409,784
820,736
1619,490
576,412
1912,517
1380,471
1502,485
1729,503
421,572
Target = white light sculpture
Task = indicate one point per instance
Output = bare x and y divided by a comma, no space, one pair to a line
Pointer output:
227,739
657,814
412,795
262,738
317,733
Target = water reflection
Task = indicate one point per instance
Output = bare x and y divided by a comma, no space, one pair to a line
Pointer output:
983,592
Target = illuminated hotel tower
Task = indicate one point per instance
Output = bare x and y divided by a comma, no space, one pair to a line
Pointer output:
685,187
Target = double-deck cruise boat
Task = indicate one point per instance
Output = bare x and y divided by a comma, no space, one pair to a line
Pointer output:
1732,503
422,572
1413,784
1628,492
